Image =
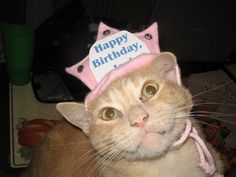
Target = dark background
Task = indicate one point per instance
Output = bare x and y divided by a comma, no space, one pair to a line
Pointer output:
195,30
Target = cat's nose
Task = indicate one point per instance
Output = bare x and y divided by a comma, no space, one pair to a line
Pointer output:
138,116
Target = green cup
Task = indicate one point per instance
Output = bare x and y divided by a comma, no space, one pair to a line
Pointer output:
18,43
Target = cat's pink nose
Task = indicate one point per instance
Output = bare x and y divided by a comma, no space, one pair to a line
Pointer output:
138,116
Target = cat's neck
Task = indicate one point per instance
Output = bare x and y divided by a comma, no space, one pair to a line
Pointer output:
158,166
178,152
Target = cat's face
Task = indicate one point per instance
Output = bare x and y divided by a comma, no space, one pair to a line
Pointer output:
138,116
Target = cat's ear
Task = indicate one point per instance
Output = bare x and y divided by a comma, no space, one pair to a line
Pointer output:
76,114
166,63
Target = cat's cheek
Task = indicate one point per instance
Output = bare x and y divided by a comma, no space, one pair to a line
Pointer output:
159,125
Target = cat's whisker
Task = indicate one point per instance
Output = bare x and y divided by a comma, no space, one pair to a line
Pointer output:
207,115
99,162
201,93
182,108
207,91
213,89
121,155
108,144
109,160
94,148
107,148
205,123
197,104
106,156
200,122
84,159
79,142
95,167
219,119
97,154
214,103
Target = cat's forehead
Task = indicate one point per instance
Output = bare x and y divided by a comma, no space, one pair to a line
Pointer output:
120,92
125,91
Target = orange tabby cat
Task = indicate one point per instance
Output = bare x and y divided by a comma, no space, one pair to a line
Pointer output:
132,126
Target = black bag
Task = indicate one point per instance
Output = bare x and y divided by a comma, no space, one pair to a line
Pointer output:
61,41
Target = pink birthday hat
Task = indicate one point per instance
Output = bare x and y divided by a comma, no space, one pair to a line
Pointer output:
82,71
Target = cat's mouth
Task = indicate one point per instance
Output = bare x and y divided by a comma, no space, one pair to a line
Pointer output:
150,134
151,137
148,144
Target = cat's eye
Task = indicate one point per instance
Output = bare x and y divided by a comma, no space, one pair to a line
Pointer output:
109,114
150,89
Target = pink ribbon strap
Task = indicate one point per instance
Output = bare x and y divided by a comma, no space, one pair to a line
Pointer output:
206,160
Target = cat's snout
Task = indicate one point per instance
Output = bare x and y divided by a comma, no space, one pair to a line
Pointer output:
140,123
138,116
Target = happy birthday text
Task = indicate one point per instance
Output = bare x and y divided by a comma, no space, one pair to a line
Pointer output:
119,44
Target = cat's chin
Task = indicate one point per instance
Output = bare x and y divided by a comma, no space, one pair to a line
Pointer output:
152,146
150,138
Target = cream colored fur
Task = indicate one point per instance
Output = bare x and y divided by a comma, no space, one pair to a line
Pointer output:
137,143
176,163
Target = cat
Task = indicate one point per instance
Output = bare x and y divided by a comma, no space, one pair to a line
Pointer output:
131,128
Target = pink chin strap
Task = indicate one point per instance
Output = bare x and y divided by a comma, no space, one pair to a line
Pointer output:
206,160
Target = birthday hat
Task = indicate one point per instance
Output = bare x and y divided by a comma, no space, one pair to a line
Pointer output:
82,70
